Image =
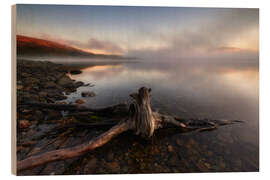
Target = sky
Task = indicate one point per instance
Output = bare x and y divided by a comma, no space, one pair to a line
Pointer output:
146,32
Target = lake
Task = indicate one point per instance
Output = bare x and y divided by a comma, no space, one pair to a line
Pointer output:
187,90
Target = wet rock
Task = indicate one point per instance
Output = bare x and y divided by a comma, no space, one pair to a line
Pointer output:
78,84
88,94
23,124
80,101
60,97
65,81
58,75
49,84
75,71
88,84
70,89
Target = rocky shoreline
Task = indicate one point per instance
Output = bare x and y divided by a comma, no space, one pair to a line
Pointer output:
40,82
41,129
44,81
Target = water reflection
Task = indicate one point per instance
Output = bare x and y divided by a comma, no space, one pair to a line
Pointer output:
221,91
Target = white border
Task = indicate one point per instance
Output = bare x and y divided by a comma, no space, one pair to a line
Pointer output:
5,167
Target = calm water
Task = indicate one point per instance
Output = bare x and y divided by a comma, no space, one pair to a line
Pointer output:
188,90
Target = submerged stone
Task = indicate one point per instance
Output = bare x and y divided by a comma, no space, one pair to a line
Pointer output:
80,101
88,94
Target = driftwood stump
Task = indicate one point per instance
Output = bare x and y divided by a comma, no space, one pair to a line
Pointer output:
141,117
142,120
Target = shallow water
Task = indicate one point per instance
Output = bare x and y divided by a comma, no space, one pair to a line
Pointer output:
187,90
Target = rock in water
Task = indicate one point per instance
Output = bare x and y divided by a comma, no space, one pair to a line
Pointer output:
88,94
78,84
75,71
79,101
65,81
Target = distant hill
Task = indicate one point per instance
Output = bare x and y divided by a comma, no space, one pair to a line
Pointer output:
29,46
